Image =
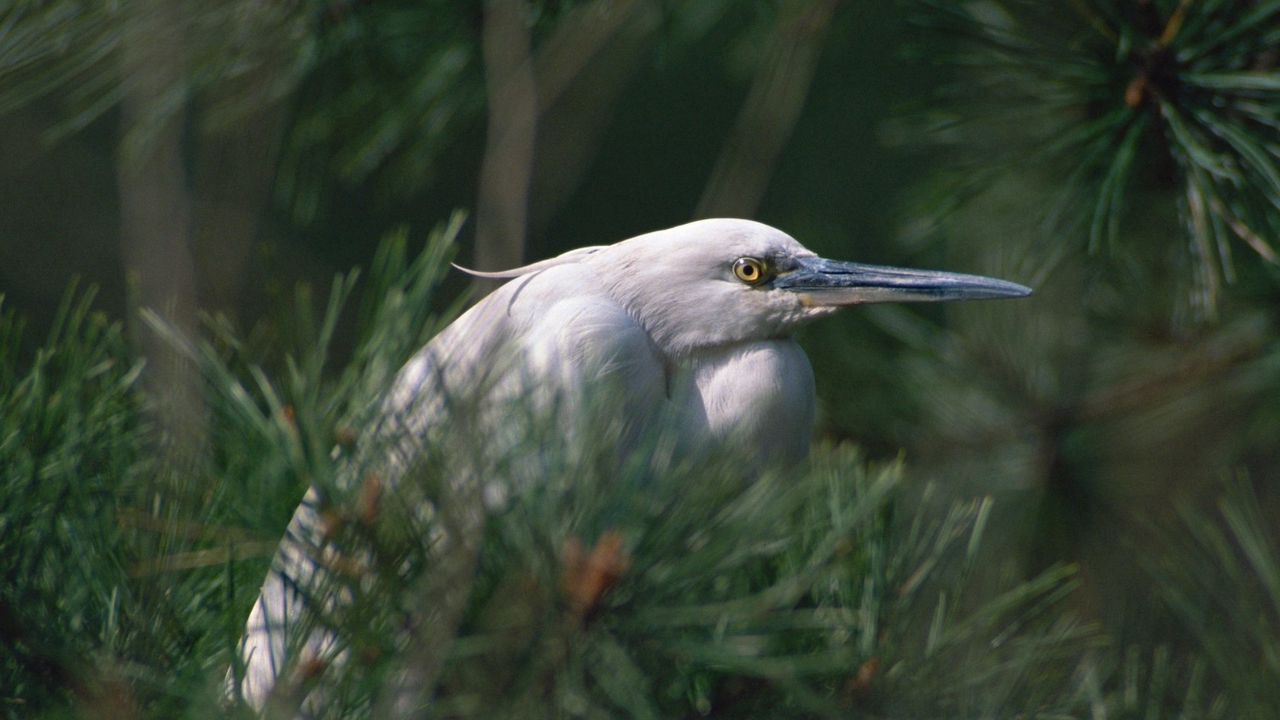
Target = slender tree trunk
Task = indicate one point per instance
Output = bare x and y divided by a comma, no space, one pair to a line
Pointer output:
581,71
777,95
155,211
503,204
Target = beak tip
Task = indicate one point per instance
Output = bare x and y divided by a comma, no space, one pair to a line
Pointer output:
999,290
991,289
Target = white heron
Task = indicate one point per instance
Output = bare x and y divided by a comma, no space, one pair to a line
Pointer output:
690,326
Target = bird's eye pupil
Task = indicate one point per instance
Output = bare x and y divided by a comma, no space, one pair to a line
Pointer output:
749,270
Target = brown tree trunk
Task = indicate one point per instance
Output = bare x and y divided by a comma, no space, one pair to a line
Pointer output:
777,96
503,205
581,71
155,213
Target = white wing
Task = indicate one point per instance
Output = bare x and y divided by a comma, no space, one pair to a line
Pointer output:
551,341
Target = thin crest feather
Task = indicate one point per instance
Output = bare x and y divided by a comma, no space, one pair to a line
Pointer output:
570,257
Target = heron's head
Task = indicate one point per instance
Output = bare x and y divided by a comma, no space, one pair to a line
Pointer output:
722,281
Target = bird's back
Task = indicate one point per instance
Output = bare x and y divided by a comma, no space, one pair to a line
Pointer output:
549,349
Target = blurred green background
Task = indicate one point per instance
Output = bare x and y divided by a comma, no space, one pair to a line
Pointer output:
1123,159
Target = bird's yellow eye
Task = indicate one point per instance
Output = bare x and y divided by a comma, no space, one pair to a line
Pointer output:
750,270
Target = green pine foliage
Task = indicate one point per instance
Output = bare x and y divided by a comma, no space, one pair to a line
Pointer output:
1125,98
1221,577
72,442
243,54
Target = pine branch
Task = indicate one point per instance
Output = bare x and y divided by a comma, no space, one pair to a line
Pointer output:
1174,96
1221,577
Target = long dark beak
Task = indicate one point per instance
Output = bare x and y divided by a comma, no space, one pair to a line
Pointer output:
832,283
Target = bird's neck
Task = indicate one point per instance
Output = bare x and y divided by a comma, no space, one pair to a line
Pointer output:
758,394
